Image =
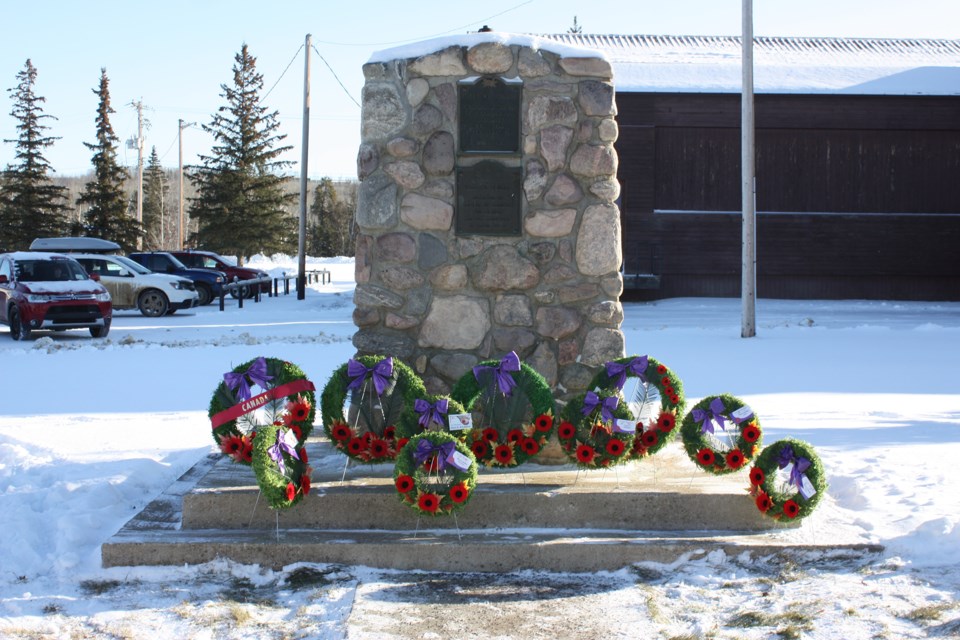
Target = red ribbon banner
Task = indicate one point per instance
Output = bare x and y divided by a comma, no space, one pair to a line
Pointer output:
254,403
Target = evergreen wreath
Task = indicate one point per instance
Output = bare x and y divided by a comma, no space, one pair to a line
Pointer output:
281,466
513,411
787,480
435,473
652,435
728,414
589,434
382,392
236,415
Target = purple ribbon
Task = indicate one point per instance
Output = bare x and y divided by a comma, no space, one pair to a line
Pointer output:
430,412
506,383
607,407
237,381
706,418
380,372
281,446
444,453
800,465
637,366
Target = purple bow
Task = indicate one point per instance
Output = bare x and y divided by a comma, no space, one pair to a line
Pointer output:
380,372
800,465
257,372
444,453
706,418
506,383
607,407
637,367
430,412
286,443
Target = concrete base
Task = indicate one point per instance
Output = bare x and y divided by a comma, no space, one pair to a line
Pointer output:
536,517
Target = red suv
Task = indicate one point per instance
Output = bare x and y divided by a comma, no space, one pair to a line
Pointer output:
210,260
49,291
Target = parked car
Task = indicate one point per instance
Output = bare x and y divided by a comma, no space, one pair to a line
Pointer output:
133,286
211,260
209,283
49,291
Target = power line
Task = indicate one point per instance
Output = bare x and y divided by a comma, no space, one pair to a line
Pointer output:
335,76
281,75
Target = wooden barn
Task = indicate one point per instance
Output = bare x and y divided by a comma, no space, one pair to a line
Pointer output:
858,166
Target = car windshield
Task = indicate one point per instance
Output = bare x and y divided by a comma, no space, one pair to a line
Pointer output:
132,265
176,263
50,270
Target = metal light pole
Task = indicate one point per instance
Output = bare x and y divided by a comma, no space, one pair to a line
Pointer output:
748,184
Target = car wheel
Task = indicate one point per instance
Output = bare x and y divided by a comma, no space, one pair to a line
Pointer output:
153,303
101,332
205,293
18,330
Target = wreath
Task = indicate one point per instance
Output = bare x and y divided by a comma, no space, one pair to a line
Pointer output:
597,430
435,473
512,411
281,466
787,480
381,394
721,434
236,415
656,401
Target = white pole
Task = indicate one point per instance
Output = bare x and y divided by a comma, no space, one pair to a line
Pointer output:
302,246
748,185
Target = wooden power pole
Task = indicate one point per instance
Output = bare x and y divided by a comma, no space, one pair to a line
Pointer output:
302,245
748,184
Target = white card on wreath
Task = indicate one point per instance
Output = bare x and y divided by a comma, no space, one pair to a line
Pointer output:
622,425
807,490
459,460
460,421
742,414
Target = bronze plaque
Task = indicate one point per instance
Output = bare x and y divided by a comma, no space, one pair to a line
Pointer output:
490,117
488,199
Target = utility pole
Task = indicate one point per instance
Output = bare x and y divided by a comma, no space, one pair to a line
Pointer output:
302,246
181,125
138,105
748,182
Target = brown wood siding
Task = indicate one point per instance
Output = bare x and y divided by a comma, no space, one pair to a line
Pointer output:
868,190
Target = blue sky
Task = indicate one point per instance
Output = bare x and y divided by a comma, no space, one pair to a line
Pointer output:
174,55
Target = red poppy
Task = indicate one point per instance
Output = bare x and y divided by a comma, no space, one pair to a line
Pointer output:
615,447
428,502
757,476
705,457
356,445
515,435
751,433
503,453
664,380
379,448
585,454
544,422
675,399
490,434
661,369
390,432
367,437
791,509
764,502
340,431
403,483
300,410
735,459
291,491
305,484
566,430
530,446
669,391
650,438
247,454
638,449
459,493
402,442
231,445
480,449
303,456
666,421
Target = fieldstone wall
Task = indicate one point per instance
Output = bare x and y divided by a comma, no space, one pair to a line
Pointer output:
443,302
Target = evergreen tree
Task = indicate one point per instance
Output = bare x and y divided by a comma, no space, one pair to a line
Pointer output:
156,198
107,215
330,229
31,205
241,204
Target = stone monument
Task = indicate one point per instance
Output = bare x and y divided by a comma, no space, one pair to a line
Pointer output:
487,209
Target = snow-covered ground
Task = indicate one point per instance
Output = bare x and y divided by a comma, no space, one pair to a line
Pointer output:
92,430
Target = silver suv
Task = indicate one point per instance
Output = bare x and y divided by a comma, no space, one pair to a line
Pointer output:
133,286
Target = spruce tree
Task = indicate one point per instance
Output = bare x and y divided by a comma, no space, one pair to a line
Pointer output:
107,215
31,205
156,197
241,206
330,228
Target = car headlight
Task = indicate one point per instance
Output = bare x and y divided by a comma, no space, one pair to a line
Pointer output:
103,297
177,284
38,298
